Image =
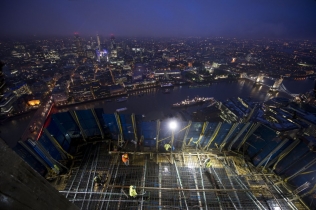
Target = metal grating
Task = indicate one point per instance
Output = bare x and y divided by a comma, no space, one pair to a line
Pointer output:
185,184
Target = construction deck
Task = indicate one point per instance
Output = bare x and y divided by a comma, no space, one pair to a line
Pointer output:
230,183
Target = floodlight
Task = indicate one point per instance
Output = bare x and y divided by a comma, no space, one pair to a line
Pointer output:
173,125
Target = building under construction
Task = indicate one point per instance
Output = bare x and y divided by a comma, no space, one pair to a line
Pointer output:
241,164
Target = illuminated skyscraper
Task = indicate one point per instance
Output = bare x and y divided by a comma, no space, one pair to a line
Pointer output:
113,45
98,40
78,44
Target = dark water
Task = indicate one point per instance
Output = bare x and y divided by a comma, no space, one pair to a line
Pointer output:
154,104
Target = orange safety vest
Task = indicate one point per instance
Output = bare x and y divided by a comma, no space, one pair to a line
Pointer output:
125,158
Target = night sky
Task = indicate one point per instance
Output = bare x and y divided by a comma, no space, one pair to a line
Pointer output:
161,18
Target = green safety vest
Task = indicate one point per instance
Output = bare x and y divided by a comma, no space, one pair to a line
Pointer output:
167,146
132,191
208,164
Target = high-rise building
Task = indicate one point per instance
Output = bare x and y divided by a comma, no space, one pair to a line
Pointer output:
99,43
113,44
78,44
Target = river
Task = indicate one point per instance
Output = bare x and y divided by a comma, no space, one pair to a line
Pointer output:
154,104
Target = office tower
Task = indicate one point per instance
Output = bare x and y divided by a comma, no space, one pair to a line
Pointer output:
78,44
113,45
98,40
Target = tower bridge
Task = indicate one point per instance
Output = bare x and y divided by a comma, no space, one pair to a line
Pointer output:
277,85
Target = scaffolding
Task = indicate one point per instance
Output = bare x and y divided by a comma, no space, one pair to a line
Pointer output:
188,183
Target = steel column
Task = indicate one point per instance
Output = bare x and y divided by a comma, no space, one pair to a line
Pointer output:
134,127
157,137
283,154
311,163
218,127
63,153
201,134
76,119
172,139
272,152
36,156
98,122
249,133
120,139
186,135
238,135
232,129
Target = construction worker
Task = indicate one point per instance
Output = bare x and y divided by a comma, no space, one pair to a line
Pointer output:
98,180
56,169
132,191
125,159
208,163
167,147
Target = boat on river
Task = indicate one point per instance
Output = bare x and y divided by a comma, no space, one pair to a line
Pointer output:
121,99
195,101
121,109
166,85
199,85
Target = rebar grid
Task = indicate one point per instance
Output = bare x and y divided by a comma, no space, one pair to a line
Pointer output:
186,184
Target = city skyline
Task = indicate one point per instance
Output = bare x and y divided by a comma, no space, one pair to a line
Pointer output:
241,19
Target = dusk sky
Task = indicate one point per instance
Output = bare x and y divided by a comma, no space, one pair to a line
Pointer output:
230,18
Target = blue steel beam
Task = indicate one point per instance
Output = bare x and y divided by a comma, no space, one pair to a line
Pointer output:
293,162
98,122
238,135
218,127
231,131
62,152
134,127
277,159
250,132
205,124
283,142
186,135
305,167
119,125
157,137
37,157
76,119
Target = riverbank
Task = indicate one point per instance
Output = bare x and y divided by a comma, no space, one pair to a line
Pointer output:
154,104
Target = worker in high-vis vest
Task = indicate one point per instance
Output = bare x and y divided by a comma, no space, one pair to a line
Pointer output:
97,180
208,163
125,159
132,191
167,147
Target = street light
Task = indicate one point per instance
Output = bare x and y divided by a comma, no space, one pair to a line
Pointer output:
172,126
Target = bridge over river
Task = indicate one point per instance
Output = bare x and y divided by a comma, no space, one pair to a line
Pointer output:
277,86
